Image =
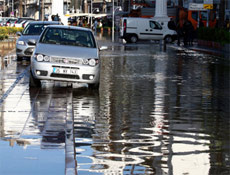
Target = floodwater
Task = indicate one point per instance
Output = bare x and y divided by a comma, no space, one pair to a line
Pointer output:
156,113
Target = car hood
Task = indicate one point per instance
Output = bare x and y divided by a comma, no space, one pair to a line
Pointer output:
66,51
26,38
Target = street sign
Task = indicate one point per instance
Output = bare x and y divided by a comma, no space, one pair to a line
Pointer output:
208,6
196,6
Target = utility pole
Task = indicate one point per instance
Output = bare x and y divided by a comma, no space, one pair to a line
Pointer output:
13,7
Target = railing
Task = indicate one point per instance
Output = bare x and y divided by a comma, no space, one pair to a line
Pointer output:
5,48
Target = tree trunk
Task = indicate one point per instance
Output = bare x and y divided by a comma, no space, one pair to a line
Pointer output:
20,9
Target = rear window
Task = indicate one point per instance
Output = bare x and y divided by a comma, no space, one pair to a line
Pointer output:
71,37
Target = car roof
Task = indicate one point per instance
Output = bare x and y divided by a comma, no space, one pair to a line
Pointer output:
12,19
25,18
69,27
45,22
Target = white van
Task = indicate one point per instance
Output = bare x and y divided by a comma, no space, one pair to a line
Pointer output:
133,29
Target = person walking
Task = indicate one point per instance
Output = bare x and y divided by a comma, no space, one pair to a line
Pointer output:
188,33
179,30
95,26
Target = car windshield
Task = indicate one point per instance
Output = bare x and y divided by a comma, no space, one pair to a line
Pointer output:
71,37
34,29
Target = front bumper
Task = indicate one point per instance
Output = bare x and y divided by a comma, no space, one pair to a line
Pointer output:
82,73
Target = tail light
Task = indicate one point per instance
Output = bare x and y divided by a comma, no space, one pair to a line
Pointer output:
125,25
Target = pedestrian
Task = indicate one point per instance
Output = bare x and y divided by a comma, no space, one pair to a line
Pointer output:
95,26
179,30
188,32
80,23
201,24
56,17
227,24
171,24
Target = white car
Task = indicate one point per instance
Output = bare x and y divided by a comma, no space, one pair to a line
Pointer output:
20,24
134,29
65,53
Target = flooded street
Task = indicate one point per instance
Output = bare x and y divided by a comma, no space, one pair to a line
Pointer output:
155,113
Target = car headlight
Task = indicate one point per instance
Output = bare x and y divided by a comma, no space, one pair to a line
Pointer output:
21,43
40,57
91,62
46,58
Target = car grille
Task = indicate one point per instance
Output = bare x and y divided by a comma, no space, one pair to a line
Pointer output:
65,76
66,60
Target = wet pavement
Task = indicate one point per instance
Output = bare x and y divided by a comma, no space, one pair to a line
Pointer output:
35,134
155,113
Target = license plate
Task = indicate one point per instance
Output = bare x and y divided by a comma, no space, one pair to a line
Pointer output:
64,71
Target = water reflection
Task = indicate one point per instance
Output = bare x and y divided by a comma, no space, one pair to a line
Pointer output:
154,115
34,127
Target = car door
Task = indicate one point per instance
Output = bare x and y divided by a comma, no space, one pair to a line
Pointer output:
144,29
156,30
151,30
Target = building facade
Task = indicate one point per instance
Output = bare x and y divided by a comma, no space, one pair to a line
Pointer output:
39,9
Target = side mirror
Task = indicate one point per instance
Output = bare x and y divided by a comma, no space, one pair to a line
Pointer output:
103,48
32,42
18,33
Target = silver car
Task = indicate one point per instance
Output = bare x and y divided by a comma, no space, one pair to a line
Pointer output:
32,31
65,53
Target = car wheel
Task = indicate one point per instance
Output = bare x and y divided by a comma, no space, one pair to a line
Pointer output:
93,86
33,82
168,39
133,39
19,58
127,39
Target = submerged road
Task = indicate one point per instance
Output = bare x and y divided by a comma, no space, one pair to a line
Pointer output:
155,113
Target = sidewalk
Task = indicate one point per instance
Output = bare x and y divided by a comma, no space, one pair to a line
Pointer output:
218,52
